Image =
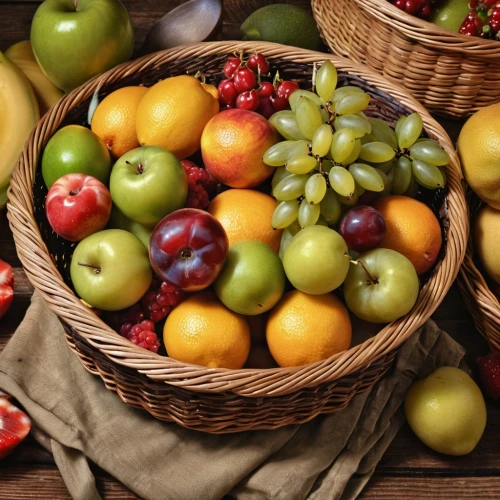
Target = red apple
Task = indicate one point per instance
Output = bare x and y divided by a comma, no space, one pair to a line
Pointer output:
14,427
188,249
77,206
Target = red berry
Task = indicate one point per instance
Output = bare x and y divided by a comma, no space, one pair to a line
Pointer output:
248,100
232,64
266,108
200,184
14,426
257,61
286,88
6,286
266,89
227,92
279,103
489,374
419,8
244,80
144,336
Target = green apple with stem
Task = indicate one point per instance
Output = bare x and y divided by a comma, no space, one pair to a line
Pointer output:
381,286
75,40
75,150
110,269
147,184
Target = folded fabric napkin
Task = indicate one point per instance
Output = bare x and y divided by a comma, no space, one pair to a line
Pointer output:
76,418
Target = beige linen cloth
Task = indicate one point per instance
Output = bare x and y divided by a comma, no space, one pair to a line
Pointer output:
76,418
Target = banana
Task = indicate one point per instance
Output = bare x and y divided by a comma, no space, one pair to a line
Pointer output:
18,115
47,94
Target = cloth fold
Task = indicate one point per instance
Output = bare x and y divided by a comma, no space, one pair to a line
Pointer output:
77,419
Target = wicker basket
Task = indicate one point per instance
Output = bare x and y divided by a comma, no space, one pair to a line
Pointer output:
480,294
451,74
221,400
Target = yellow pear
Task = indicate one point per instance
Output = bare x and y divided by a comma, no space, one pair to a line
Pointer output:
446,411
486,235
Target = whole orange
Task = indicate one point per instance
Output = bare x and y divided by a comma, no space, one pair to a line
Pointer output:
411,229
246,214
202,331
233,144
173,114
304,328
114,119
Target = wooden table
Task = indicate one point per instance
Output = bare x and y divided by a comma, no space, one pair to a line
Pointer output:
408,470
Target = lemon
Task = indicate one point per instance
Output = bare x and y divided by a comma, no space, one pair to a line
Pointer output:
173,114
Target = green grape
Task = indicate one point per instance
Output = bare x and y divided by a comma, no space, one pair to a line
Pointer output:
321,221
359,125
387,180
286,124
284,214
367,177
410,131
301,164
308,214
308,116
290,187
278,154
287,237
279,174
315,189
355,153
427,175
385,166
368,138
383,132
349,201
330,207
376,152
322,140
412,190
341,92
401,175
326,165
352,103
294,97
343,143
326,80
341,181
399,123
430,152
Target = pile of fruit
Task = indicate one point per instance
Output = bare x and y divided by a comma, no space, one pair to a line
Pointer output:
247,235
469,17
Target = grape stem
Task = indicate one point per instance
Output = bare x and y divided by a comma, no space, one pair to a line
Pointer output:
371,279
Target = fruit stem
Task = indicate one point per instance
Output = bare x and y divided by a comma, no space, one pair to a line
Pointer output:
97,270
371,279
139,168
187,254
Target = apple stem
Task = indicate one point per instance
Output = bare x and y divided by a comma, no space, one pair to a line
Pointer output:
97,270
187,254
372,280
139,168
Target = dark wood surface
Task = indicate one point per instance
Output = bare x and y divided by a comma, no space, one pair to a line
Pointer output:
408,470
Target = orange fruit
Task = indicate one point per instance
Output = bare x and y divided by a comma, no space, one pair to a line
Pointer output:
233,144
478,146
411,229
304,328
114,119
246,214
202,331
174,113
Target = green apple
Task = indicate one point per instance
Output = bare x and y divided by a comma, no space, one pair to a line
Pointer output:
450,14
110,269
75,40
75,150
117,220
148,183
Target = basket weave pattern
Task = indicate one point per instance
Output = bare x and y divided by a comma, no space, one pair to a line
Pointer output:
451,74
220,400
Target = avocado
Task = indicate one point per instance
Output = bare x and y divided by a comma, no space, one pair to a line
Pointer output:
285,24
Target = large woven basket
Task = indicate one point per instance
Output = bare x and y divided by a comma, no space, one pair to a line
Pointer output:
451,74
480,294
221,400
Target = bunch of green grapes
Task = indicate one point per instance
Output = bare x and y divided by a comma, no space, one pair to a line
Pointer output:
332,153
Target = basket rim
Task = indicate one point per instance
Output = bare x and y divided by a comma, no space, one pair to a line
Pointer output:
250,382
426,32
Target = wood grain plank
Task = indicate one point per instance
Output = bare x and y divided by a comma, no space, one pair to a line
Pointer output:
397,488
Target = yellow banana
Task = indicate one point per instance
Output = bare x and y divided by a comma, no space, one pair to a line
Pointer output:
47,94
18,115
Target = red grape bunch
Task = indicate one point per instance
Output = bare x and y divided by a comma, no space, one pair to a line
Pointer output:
244,89
483,20
419,8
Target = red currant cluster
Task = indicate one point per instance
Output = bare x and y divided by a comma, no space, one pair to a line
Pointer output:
142,334
419,8
483,20
244,89
201,185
